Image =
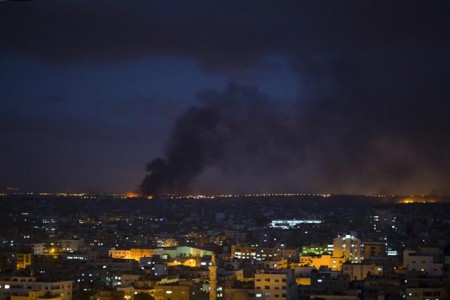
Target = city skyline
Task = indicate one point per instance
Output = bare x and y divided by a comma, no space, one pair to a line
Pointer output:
235,98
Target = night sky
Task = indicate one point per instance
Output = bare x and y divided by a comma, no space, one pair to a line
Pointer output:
225,96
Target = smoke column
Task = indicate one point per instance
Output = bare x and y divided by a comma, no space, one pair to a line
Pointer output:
362,132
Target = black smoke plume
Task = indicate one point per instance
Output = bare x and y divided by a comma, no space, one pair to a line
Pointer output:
354,130
225,128
371,115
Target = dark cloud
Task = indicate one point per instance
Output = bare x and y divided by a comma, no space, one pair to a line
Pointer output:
222,35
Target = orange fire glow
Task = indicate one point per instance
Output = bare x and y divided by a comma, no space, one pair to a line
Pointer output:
131,195
410,200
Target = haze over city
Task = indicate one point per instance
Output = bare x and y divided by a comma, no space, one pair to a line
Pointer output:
229,97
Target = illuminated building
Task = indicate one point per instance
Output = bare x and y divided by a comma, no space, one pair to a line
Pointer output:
325,260
132,287
37,295
116,265
288,224
276,285
303,280
348,247
178,255
21,286
38,248
186,251
384,219
163,242
185,261
317,249
154,265
23,260
71,245
182,252
135,254
121,254
179,292
256,252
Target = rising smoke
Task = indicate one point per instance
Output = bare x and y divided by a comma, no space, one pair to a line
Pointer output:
354,130
371,116
227,129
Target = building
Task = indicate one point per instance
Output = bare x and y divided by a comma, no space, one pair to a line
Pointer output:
361,271
235,235
231,274
274,264
21,286
288,224
186,251
426,293
23,260
166,253
423,262
134,253
182,291
348,247
71,245
276,285
256,252
38,248
166,242
317,249
382,287
424,265
320,261
291,254
374,249
239,294
37,295
128,279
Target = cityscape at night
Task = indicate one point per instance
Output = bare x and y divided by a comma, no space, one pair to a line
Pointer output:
235,150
